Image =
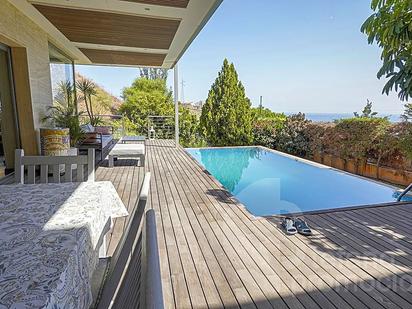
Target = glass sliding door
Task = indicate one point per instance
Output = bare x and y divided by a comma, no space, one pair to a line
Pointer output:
9,137
62,72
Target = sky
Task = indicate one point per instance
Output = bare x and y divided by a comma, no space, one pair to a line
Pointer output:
300,55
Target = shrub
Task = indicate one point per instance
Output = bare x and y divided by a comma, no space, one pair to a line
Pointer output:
356,137
403,131
292,137
360,139
321,137
265,130
189,129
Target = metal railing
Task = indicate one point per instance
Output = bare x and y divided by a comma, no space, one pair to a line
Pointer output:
160,127
404,192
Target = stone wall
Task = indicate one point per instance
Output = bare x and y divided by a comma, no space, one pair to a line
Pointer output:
16,28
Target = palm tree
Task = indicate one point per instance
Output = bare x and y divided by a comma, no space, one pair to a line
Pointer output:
88,90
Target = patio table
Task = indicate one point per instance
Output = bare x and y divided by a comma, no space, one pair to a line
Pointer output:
50,236
132,139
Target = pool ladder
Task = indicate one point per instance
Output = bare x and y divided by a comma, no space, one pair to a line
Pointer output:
408,188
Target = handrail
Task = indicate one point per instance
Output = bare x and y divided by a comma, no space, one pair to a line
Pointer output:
154,293
408,188
160,126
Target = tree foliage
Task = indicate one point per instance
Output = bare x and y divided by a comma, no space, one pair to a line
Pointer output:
146,97
407,114
226,117
153,73
150,97
88,91
259,113
390,26
189,129
366,112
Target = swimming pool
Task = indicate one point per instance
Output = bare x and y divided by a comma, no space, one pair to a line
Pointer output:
269,182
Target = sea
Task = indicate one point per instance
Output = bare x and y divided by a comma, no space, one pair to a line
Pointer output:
330,117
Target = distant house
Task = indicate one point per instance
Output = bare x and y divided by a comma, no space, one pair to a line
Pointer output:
194,107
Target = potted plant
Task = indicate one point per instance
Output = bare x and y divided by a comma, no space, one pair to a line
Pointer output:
63,114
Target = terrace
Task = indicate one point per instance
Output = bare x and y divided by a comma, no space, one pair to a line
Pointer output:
213,252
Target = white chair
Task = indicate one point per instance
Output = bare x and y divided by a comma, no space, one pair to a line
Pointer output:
30,163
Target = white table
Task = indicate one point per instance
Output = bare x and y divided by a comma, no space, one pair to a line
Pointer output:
133,139
50,235
127,150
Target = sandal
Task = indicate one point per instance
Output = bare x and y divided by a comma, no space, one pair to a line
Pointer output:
302,227
287,224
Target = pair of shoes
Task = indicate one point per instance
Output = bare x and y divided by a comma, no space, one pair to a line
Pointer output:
295,225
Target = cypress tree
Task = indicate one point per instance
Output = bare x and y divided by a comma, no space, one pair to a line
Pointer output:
226,116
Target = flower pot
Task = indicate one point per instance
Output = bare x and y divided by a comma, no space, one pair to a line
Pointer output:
54,142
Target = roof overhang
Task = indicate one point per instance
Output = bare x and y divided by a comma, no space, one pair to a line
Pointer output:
152,33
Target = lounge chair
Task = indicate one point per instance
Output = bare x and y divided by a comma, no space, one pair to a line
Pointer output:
98,137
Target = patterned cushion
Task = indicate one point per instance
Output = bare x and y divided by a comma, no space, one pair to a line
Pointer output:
87,128
91,138
105,130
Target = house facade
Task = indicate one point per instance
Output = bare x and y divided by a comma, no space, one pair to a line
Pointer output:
42,40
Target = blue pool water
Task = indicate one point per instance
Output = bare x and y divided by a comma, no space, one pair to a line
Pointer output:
269,183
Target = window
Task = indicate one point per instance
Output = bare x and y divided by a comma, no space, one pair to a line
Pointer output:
61,70
9,136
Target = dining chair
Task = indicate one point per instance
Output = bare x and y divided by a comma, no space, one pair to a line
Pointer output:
30,163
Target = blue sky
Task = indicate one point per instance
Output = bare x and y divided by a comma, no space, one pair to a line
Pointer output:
300,55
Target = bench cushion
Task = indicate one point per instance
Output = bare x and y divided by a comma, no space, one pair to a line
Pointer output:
91,138
105,130
87,128
127,149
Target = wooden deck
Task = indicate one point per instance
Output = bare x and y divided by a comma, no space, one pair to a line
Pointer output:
215,254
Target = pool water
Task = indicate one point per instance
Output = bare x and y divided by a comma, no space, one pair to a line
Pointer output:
270,183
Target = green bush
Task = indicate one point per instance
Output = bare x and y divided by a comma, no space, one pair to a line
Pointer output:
357,136
292,137
189,129
322,138
361,139
265,130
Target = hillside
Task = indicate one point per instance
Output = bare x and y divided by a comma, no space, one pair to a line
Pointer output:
104,103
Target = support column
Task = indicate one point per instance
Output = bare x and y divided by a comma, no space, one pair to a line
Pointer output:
176,93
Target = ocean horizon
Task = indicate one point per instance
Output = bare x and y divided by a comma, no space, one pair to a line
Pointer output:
330,117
